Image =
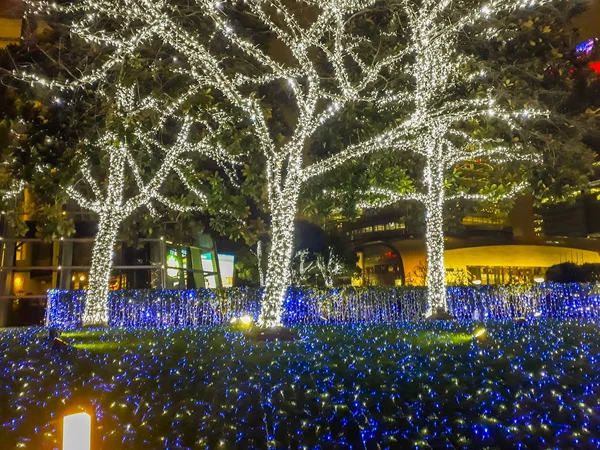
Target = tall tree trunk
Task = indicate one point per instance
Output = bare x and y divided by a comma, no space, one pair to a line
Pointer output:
96,305
278,276
434,220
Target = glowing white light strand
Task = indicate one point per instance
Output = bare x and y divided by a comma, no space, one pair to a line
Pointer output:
113,207
286,169
111,204
437,69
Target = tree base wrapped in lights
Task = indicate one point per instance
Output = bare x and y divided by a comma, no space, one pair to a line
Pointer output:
441,314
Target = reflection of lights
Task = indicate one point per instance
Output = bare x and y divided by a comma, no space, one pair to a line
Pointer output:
537,314
82,278
539,279
172,261
479,332
246,320
233,320
477,282
76,432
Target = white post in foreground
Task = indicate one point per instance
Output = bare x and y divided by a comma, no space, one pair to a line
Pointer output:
77,429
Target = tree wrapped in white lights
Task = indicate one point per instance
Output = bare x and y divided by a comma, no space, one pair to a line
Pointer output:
330,267
145,134
114,203
448,94
320,64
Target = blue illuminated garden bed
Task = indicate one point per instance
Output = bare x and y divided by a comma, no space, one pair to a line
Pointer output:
424,385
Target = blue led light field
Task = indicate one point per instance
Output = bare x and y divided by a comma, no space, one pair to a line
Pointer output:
404,385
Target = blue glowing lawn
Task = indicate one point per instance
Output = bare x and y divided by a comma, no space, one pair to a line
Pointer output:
428,386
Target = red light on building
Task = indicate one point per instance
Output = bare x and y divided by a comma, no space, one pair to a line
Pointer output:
595,66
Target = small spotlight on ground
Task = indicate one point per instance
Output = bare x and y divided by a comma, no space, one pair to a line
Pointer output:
479,332
246,320
233,320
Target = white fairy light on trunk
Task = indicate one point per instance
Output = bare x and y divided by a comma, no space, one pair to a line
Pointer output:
113,206
318,97
106,193
433,28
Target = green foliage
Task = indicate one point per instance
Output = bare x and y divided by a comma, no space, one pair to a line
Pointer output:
573,273
47,134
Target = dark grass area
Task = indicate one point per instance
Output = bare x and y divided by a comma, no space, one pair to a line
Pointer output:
425,385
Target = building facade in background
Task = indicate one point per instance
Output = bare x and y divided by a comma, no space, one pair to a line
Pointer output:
30,267
11,20
518,247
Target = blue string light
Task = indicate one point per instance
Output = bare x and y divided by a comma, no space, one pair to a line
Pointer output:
303,306
420,384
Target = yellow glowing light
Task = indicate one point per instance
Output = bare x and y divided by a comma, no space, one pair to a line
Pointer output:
479,332
233,320
77,429
246,320
18,281
539,279
477,282
82,278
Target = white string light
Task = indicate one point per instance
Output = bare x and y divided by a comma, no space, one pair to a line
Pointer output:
318,97
316,100
112,204
437,69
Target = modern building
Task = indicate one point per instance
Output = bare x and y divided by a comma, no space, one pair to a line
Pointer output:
11,17
488,249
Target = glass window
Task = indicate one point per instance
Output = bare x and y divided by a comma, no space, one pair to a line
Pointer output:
208,266
20,251
226,266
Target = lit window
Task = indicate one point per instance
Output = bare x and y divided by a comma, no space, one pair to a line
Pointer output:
20,251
